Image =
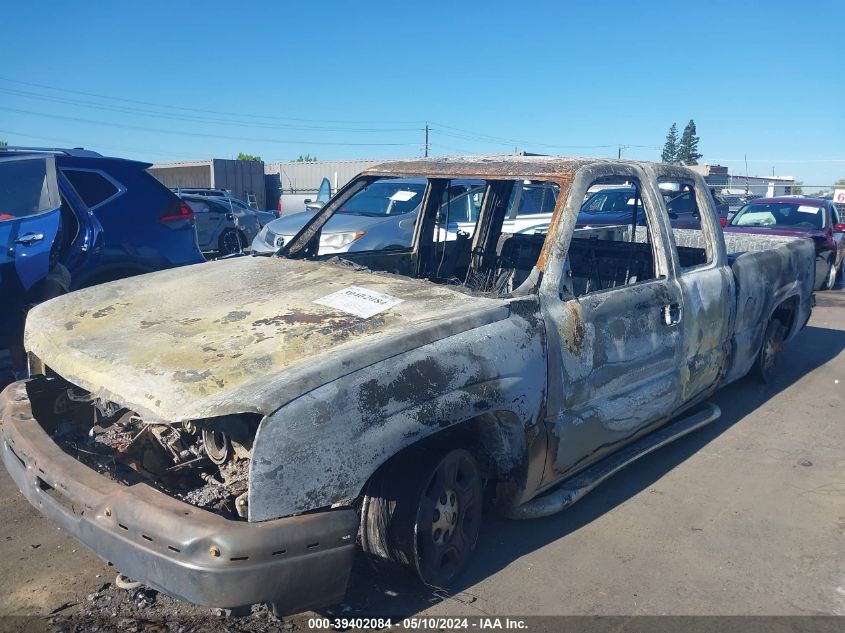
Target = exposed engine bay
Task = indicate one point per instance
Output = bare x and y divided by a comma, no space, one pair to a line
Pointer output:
202,462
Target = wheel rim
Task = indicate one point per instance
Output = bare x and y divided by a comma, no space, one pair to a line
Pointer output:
231,242
771,348
448,519
831,277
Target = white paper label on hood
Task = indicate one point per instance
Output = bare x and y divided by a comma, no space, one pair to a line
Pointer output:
359,301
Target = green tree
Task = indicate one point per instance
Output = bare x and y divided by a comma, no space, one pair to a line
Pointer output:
243,156
670,147
688,153
306,159
797,189
839,183
3,144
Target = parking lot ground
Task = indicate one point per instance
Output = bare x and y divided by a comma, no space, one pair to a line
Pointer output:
746,516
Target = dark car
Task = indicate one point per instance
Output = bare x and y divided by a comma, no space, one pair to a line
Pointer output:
611,206
78,218
814,218
615,206
683,208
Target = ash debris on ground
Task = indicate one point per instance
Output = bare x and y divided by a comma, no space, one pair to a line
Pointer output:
144,610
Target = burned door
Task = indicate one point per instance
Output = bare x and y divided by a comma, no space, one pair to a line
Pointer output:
612,314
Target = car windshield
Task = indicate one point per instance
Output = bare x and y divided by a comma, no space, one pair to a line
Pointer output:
383,198
610,202
788,215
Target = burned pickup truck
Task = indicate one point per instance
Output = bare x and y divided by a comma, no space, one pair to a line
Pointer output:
230,433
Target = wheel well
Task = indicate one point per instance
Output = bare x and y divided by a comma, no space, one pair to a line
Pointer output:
786,312
496,439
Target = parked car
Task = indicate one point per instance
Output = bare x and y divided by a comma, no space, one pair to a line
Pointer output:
292,202
814,218
98,218
614,207
222,227
264,217
383,216
683,208
370,396
611,207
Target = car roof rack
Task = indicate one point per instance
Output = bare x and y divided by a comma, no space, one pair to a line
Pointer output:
74,151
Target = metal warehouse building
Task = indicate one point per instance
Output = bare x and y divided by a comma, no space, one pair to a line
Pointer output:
241,177
301,177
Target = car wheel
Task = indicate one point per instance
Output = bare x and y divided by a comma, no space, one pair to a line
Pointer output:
830,280
424,512
770,351
230,242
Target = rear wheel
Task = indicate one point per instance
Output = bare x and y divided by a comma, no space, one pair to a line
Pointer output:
230,242
770,351
424,512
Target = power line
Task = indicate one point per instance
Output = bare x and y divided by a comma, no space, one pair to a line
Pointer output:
53,139
187,117
170,106
127,126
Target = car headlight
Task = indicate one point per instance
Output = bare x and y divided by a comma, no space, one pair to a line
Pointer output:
338,240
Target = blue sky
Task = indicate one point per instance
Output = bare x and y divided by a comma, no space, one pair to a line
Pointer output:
172,81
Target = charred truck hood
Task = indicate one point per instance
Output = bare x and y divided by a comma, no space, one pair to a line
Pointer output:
239,335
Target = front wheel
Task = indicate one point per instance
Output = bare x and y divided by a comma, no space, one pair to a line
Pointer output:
424,512
770,351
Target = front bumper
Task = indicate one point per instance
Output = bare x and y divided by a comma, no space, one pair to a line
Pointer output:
295,563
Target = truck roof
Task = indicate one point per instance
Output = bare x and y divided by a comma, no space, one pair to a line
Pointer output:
494,166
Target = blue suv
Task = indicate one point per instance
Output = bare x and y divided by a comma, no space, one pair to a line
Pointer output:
91,217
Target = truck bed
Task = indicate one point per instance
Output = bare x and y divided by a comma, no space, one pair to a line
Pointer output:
768,270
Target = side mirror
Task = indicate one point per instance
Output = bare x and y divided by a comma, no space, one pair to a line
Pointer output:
839,228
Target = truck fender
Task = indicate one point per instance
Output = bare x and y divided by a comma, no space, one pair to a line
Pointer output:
322,447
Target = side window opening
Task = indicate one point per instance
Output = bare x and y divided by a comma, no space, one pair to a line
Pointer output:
683,202
92,186
610,256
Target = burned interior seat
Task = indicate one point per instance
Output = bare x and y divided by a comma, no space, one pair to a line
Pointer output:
517,254
602,264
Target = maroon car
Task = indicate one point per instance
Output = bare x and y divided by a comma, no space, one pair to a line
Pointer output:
814,218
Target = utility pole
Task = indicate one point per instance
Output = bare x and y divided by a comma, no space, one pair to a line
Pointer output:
425,147
620,150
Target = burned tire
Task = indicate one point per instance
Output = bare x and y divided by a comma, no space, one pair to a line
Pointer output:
770,350
230,242
424,513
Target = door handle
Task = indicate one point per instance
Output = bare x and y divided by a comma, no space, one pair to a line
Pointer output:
28,239
672,314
